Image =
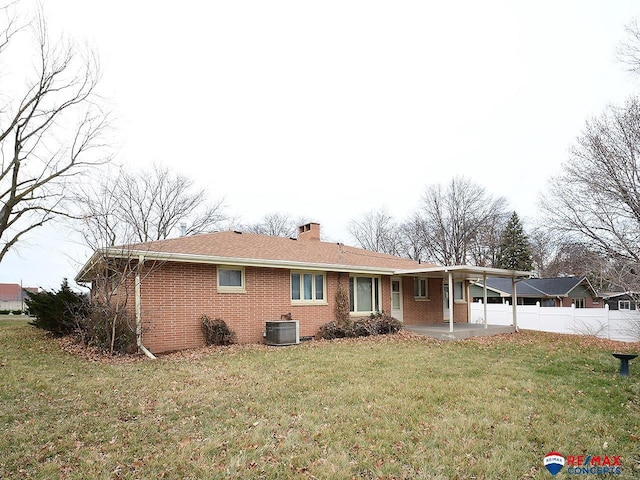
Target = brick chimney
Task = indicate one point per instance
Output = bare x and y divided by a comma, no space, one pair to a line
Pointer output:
309,231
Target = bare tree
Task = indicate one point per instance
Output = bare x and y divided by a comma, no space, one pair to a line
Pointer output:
628,53
377,231
145,205
452,218
411,245
597,197
543,245
483,250
277,225
51,129
596,200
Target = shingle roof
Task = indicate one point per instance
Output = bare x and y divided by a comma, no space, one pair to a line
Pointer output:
12,292
537,287
264,247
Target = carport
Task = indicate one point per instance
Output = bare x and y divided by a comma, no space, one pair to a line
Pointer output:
466,274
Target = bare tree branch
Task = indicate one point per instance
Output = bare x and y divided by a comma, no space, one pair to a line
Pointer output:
377,231
596,201
628,53
48,135
277,225
452,220
140,206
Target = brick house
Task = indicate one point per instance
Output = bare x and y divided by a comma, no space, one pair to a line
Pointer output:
548,292
247,279
12,296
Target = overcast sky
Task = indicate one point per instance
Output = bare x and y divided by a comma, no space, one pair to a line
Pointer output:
326,110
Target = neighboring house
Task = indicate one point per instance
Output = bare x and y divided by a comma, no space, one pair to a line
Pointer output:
12,296
621,300
247,279
548,292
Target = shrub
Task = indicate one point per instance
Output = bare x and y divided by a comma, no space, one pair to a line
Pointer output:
216,332
377,324
108,328
16,312
56,312
385,323
343,306
364,327
332,330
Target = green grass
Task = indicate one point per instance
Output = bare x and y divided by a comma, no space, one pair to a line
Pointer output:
384,408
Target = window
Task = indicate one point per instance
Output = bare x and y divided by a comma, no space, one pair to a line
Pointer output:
420,288
231,279
579,302
364,294
624,305
307,287
458,290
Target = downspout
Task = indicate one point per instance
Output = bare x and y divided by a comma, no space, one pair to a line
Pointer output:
141,347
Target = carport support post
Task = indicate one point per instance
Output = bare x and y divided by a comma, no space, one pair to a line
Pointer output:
450,302
484,288
514,302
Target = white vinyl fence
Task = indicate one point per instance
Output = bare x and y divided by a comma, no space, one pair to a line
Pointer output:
621,325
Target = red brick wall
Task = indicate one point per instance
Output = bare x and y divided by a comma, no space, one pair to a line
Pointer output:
431,309
175,296
422,311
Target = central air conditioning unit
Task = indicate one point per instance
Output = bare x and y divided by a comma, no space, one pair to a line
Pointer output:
283,332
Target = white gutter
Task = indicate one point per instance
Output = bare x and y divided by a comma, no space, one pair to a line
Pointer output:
465,270
138,300
239,261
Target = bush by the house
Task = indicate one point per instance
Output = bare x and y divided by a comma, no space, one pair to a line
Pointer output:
377,324
10,312
54,311
364,327
67,312
386,323
332,330
342,305
216,331
107,328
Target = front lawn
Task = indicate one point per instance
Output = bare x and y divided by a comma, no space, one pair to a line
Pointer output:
395,407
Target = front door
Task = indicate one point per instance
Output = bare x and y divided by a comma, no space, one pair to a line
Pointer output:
396,298
445,306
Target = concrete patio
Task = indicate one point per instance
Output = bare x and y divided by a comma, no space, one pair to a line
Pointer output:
460,330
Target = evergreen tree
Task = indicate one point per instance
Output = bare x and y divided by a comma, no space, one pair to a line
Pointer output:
515,251
55,311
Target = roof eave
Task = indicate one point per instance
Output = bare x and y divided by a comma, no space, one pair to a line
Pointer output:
466,270
218,260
